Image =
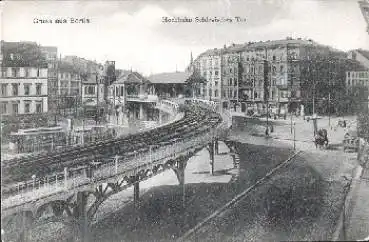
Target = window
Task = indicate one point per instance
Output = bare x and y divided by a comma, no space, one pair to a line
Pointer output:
15,89
15,108
4,90
235,93
216,73
230,81
38,72
274,69
15,72
121,91
26,70
3,107
90,90
38,88
216,93
26,107
27,89
230,70
274,57
38,107
255,95
281,69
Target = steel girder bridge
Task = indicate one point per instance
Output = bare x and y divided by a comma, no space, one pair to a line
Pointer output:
70,186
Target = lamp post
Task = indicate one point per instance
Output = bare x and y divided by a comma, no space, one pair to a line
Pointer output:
294,135
97,98
1,134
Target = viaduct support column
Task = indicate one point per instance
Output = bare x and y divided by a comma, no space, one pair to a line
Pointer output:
160,117
136,194
80,214
141,111
216,146
211,150
179,170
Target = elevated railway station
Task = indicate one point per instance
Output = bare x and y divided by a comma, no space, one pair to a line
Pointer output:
69,186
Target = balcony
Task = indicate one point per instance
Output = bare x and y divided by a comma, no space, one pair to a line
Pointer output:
142,98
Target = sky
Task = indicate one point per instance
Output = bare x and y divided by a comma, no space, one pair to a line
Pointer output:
133,34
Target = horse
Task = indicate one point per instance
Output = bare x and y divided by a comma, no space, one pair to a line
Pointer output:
321,138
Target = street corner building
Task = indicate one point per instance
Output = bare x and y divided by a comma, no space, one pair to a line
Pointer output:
287,75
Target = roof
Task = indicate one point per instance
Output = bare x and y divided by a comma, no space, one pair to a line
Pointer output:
129,77
169,78
364,53
22,54
88,78
67,67
235,48
351,133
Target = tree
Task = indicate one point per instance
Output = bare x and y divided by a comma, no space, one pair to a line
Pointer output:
194,81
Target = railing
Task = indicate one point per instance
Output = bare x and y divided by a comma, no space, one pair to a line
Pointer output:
80,176
104,169
168,105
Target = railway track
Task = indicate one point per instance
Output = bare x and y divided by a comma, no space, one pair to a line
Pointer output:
236,200
195,121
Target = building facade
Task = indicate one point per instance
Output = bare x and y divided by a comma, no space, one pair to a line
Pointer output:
51,55
23,90
221,70
285,75
70,88
357,78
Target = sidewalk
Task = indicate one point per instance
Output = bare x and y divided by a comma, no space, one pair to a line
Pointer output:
357,226
304,129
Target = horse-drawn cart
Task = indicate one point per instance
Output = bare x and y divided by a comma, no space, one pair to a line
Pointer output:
321,138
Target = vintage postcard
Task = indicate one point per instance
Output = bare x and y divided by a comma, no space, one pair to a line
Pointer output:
184,120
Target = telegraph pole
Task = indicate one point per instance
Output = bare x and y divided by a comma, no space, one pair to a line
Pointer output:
97,98
313,96
290,84
329,108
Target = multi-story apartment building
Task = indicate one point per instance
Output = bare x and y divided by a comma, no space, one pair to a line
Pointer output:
51,55
70,88
357,78
290,74
23,90
23,80
220,68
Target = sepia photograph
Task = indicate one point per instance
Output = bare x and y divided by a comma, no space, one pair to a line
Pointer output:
184,120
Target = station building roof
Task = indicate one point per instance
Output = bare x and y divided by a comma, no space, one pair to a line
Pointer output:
169,78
